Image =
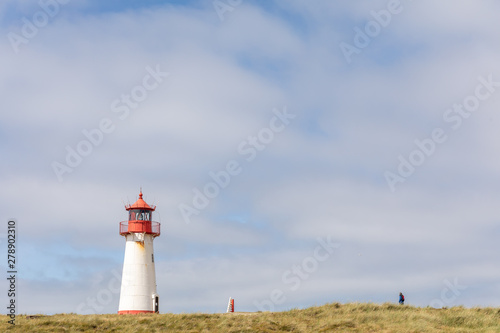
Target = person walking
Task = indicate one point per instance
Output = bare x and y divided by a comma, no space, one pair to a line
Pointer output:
401,299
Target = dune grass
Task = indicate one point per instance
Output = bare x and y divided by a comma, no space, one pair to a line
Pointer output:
335,317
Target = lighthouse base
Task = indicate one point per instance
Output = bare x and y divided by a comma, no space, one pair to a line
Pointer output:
134,312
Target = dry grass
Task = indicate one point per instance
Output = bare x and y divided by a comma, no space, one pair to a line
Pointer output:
334,317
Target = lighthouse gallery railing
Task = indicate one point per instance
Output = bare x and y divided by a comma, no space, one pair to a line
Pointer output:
148,227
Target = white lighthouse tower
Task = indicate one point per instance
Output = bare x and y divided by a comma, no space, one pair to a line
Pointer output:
138,291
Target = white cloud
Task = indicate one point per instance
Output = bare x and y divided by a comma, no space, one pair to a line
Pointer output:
322,175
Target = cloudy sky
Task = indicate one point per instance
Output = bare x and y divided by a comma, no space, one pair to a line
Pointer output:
298,152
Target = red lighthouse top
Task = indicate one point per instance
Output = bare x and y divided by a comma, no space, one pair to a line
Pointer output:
140,204
140,219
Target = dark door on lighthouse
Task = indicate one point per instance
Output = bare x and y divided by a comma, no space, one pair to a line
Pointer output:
157,304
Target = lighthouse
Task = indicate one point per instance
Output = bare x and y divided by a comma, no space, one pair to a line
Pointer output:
138,290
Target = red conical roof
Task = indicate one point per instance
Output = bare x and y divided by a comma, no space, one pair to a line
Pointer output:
140,204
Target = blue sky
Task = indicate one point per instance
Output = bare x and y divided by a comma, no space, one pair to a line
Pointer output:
332,148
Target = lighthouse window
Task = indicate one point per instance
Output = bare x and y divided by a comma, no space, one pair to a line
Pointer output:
139,215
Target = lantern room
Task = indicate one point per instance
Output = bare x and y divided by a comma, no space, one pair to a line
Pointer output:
140,219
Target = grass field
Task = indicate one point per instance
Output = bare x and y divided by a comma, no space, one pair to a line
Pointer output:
354,317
